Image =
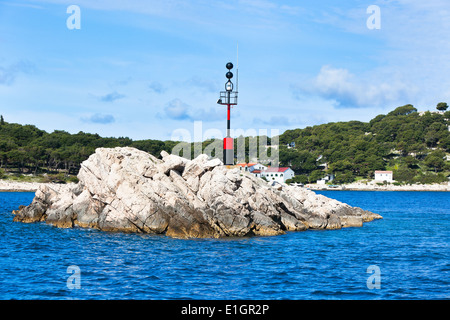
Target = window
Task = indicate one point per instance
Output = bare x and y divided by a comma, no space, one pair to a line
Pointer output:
276,174
281,174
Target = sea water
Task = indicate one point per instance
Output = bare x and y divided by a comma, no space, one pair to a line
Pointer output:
403,256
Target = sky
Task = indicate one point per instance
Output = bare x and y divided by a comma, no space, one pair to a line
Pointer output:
155,69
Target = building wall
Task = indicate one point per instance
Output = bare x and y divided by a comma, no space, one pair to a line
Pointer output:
257,167
327,178
383,176
288,174
278,176
274,176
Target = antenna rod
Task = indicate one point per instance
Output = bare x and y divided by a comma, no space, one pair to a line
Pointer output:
237,67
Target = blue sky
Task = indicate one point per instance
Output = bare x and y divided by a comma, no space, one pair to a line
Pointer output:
143,69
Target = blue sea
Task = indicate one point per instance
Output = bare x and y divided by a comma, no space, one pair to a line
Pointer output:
403,256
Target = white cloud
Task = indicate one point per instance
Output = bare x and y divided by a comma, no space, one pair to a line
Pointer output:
179,110
99,118
349,90
111,97
9,73
156,87
203,84
412,47
274,121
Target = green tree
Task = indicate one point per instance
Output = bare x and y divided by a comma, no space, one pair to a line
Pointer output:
404,110
301,161
341,166
17,157
447,115
429,177
411,162
445,143
405,175
302,178
316,175
442,106
435,160
347,177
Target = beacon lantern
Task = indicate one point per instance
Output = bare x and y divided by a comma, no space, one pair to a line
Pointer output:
228,98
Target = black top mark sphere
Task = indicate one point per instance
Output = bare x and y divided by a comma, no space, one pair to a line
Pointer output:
229,66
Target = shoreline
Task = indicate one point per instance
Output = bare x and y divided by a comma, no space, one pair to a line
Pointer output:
16,186
375,187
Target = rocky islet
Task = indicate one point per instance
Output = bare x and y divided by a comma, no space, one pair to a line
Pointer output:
128,190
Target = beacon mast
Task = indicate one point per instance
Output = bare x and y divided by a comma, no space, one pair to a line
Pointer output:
228,98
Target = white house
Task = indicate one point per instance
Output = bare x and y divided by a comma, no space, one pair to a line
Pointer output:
256,166
279,174
245,166
251,166
257,173
384,176
327,178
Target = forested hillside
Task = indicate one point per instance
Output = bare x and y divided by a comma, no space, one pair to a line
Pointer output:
413,145
25,149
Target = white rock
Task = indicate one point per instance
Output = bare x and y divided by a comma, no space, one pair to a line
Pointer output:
125,189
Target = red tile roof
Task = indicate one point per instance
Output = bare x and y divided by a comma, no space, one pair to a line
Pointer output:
277,169
245,164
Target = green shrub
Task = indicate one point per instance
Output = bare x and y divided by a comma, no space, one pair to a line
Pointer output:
73,179
405,175
347,177
298,179
429,177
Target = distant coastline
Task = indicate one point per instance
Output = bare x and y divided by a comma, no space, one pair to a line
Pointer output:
17,186
375,187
